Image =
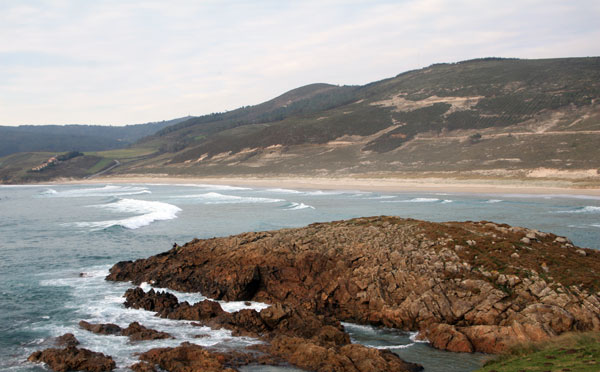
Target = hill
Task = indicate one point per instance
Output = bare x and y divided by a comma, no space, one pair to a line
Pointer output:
484,118
59,138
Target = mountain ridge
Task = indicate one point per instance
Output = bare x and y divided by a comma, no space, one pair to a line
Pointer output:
489,117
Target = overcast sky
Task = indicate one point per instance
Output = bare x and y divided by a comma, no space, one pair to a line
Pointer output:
123,62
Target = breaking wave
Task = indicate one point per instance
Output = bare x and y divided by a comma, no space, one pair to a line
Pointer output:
417,200
108,190
293,206
218,198
586,209
148,212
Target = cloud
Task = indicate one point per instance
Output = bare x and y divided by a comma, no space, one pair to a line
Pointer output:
115,62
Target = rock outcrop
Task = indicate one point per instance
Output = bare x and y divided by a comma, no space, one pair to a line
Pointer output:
293,334
135,331
68,339
186,358
470,286
72,358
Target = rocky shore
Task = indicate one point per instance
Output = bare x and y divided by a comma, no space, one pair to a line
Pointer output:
465,286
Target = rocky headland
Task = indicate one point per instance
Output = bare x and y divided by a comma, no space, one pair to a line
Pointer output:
465,286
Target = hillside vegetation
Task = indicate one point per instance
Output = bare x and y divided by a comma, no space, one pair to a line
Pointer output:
57,138
569,352
491,118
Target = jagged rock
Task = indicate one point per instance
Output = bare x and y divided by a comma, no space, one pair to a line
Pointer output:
137,332
142,367
186,358
72,358
274,320
348,358
446,337
102,329
167,305
68,339
388,271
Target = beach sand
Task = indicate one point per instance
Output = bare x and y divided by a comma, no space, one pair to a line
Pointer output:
425,184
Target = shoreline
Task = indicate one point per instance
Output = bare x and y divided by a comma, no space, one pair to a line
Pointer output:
425,184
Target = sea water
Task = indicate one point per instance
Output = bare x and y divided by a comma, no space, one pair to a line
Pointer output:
57,243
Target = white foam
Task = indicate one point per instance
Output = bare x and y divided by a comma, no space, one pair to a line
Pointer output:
321,193
108,190
148,212
200,185
298,206
381,197
414,200
414,338
360,327
552,196
283,191
493,201
229,306
586,209
447,201
391,347
98,301
218,198
218,187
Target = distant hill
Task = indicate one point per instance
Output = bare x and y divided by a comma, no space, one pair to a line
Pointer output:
60,138
488,117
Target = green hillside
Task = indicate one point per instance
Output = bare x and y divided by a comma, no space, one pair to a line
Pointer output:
499,118
57,138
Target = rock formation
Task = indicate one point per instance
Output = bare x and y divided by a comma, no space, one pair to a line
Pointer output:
68,339
293,334
466,286
72,358
135,331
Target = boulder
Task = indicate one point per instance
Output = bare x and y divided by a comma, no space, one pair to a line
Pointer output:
137,332
68,339
72,358
102,329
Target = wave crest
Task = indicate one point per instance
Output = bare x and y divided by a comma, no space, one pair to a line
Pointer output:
108,190
148,212
218,198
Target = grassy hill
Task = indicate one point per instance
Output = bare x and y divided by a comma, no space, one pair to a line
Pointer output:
481,118
57,138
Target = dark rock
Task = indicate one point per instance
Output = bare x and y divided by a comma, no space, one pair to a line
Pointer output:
102,329
348,358
186,358
73,359
137,332
142,367
68,339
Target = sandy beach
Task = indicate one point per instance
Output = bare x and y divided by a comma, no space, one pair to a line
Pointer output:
484,186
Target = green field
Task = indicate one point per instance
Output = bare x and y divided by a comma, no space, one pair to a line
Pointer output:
125,154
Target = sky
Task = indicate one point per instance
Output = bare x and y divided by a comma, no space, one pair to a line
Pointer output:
116,62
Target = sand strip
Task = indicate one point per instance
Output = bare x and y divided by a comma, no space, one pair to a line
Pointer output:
365,184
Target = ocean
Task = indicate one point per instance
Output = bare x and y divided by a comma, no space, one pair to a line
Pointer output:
57,243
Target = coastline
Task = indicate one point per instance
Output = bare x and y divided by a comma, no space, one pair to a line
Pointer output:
425,184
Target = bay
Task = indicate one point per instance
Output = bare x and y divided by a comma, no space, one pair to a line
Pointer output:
57,243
